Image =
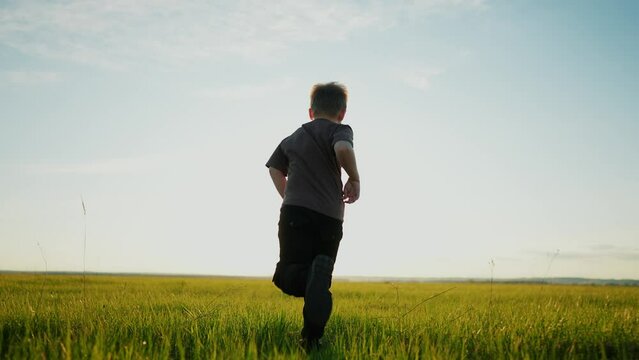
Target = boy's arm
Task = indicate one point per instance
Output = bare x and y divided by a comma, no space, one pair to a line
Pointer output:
279,180
346,159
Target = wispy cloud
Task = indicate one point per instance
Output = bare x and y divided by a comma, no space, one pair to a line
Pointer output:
131,165
116,34
420,78
596,251
455,3
119,34
30,77
248,91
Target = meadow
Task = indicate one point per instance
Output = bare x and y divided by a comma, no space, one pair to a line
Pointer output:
135,317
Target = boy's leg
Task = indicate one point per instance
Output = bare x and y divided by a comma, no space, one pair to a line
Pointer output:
308,247
291,278
296,253
318,302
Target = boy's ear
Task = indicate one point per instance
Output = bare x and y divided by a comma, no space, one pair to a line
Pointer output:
310,114
341,114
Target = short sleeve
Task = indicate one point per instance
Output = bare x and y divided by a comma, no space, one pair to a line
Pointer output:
278,160
343,133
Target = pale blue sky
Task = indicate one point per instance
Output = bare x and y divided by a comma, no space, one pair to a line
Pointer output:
502,130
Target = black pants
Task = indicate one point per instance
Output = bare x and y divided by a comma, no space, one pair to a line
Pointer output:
303,234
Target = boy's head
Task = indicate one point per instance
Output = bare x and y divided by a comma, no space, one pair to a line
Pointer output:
328,100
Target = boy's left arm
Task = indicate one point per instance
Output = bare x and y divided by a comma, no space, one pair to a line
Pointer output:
277,167
279,180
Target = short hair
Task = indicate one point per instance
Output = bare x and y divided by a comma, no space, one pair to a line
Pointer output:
328,99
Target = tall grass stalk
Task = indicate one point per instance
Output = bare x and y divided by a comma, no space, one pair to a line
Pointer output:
84,252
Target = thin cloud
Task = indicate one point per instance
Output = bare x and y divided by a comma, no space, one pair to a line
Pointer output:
416,10
418,78
130,165
248,91
119,34
30,77
596,252
454,3
602,247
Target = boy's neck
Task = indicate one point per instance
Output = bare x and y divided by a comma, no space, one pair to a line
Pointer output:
336,118
331,119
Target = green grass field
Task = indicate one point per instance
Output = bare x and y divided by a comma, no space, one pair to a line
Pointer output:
126,317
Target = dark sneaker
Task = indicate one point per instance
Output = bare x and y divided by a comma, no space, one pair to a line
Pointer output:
310,345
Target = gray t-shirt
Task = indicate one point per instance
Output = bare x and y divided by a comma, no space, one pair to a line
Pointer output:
314,175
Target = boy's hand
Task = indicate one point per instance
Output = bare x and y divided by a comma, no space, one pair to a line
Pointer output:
351,191
346,158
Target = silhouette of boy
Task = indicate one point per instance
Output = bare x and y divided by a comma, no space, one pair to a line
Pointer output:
306,171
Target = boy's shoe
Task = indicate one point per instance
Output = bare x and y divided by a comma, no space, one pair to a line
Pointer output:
310,345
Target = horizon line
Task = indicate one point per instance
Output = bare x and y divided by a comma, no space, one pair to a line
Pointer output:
362,278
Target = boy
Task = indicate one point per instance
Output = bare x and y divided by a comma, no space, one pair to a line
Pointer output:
306,171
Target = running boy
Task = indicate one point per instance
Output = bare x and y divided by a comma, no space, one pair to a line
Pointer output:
306,171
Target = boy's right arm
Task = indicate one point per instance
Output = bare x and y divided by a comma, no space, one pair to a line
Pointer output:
346,159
